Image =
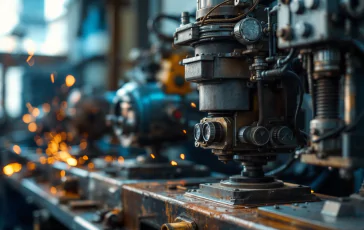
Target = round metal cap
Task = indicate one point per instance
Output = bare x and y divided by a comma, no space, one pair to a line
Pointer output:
211,132
259,135
197,132
283,135
248,31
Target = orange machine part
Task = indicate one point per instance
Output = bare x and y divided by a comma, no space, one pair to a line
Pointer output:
171,76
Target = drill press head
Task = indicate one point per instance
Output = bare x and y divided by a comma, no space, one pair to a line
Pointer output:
251,118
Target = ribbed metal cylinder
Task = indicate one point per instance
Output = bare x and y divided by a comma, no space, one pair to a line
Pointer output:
327,98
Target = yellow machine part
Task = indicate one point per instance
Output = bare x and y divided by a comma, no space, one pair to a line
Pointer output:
171,76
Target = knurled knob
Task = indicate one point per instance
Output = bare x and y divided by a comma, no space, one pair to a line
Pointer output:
282,135
212,132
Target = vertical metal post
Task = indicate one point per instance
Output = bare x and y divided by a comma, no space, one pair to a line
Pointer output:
114,61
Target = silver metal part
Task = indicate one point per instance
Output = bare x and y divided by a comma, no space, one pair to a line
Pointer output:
248,31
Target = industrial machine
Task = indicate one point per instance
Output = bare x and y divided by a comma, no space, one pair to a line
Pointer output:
87,115
253,62
331,50
155,114
252,90
253,100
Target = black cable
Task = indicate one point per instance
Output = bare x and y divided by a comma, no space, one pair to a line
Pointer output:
288,58
305,136
338,131
300,100
330,134
212,10
153,26
352,126
260,102
235,19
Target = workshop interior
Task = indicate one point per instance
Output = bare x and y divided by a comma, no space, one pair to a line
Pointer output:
181,114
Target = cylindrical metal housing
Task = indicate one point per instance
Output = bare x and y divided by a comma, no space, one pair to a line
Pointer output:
204,6
227,95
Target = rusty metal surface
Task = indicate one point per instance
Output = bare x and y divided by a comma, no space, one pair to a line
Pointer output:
103,186
315,215
154,204
40,194
97,189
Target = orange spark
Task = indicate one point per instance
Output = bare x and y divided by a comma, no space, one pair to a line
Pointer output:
17,149
70,80
52,77
42,160
108,159
32,127
31,166
182,156
193,105
152,155
35,112
63,146
173,163
121,159
71,161
91,165
53,190
50,160
12,168
62,173
17,167
30,60
27,118
184,131
8,170
85,158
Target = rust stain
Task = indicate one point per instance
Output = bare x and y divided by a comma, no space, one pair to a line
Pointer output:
168,211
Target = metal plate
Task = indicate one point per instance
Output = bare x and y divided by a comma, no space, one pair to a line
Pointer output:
150,205
310,214
289,193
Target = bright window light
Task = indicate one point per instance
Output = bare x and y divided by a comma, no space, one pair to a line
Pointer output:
54,9
9,15
13,103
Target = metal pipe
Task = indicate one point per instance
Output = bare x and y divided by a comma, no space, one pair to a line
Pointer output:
114,49
177,226
261,102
